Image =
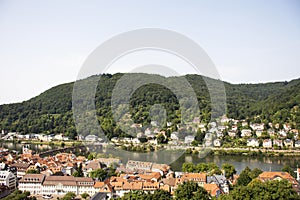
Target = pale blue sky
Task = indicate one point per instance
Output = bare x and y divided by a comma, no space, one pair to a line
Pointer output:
44,43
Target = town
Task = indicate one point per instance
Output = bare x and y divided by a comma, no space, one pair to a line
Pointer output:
60,172
63,174
224,132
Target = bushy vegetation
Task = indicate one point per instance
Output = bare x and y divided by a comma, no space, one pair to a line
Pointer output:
19,195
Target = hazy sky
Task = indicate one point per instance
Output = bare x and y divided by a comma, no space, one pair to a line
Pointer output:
44,43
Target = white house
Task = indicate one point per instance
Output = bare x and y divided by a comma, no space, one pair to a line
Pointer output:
91,138
232,133
282,133
217,143
278,143
32,183
267,143
288,143
257,126
175,136
297,143
246,133
189,139
8,179
60,185
252,142
258,132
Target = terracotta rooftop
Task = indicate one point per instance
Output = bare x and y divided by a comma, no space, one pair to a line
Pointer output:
32,178
211,188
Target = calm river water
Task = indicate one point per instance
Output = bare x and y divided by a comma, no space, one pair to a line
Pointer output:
240,162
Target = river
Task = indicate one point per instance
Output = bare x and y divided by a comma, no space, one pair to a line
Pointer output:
239,161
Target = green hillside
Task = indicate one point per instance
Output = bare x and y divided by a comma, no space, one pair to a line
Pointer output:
51,111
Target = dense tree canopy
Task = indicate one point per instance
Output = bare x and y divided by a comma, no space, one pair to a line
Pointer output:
257,190
191,191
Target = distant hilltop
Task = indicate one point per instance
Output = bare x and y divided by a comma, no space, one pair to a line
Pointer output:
51,111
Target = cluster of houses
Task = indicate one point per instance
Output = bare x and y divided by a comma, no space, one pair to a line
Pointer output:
255,134
55,176
33,136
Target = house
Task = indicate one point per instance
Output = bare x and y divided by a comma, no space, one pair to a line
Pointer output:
60,185
8,179
267,143
278,143
217,143
282,133
32,183
244,123
221,182
219,134
147,132
91,138
213,189
257,126
224,119
246,133
232,134
189,139
286,127
21,168
234,128
222,128
102,187
288,143
91,166
175,136
268,176
271,132
297,143
252,142
199,178
258,132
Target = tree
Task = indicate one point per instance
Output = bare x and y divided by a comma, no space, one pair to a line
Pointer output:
91,156
255,173
85,195
191,191
229,170
161,195
244,178
161,139
33,171
69,196
134,195
257,190
289,170
19,195
79,172
188,167
99,174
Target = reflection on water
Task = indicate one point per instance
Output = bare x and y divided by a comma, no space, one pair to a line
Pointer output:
36,147
240,162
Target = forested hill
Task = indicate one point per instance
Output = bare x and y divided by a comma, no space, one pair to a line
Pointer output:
51,111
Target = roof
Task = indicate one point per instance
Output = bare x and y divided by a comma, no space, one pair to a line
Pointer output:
99,196
133,186
93,165
150,176
211,188
21,165
32,178
194,176
265,176
99,184
68,180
